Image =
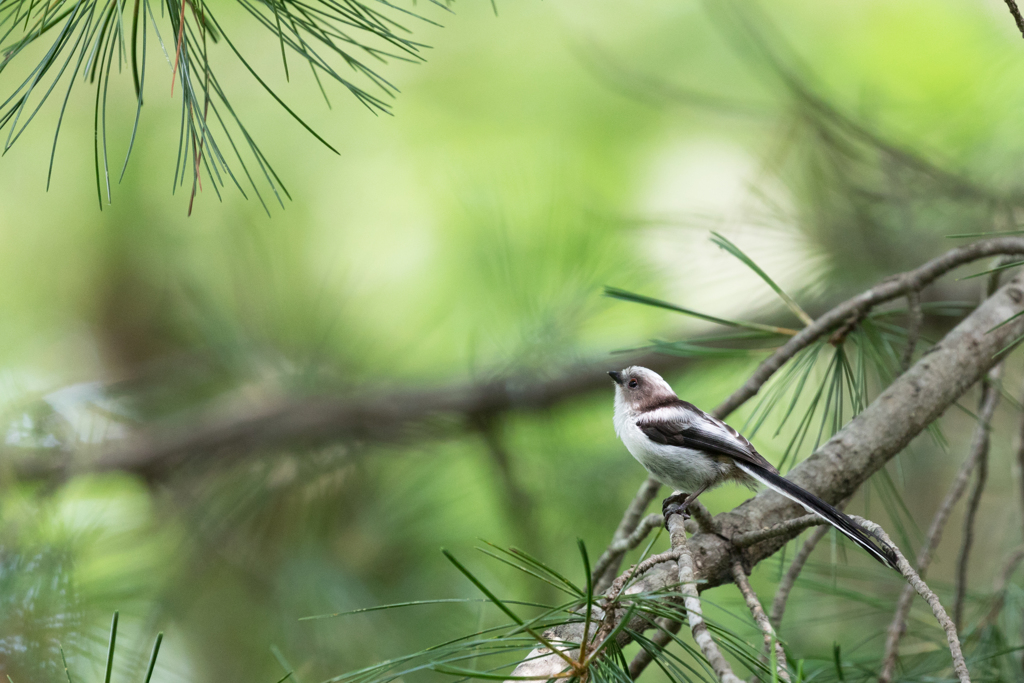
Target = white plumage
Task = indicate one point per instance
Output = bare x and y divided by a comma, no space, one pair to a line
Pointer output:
685,448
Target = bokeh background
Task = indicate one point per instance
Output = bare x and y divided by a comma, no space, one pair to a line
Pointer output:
541,152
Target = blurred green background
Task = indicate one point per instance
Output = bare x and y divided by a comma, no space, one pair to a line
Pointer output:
536,156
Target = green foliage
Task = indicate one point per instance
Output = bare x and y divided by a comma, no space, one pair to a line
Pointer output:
491,653
90,36
534,159
111,646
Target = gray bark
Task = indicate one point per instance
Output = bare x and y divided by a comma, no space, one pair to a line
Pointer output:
866,443
887,425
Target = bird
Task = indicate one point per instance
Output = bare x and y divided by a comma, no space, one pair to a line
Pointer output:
685,448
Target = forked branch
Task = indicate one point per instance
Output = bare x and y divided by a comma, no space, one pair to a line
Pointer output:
792,573
905,284
979,447
959,665
863,446
761,619
691,599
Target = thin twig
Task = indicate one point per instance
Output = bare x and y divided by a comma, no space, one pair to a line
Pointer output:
691,600
638,570
991,382
1020,466
795,567
999,586
839,336
760,618
788,528
618,548
519,505
614,610
918,584
667,629
892,288
786,585
916,317
630,521
1017,18
705,522
979,445
973,501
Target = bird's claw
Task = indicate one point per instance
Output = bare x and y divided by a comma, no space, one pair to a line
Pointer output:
676,504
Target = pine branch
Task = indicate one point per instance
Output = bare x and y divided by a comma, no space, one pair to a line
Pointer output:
862,447
918,584
691,599
1001,581
220,434
761,619
622,546
979,448
793,572
88,36
913,329
224,434
1015,13
892,288
789,528
612,557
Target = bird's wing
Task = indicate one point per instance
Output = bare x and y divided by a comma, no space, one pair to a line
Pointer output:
684,425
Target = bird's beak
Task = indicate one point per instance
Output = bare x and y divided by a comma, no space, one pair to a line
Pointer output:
616,375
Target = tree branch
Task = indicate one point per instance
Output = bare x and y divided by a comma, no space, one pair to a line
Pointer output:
1017,18
795,567
691,599
999,587
959,665
913,327
622,546
319,420
610,559
979,446
892,288
901,412
789,528
231,430
761,619
973,502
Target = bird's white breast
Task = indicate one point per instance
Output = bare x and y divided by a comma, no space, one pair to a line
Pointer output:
683,469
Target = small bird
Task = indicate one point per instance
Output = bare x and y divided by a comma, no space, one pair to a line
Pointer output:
685,448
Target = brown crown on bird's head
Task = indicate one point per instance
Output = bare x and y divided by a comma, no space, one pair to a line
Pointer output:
640,388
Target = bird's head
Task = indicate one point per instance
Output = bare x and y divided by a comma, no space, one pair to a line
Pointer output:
638,388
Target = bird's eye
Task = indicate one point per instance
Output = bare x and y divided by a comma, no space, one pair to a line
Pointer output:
633,383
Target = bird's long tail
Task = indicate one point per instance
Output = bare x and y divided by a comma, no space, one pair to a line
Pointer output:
810,502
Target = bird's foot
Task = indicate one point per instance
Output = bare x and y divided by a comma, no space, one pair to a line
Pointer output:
675,504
